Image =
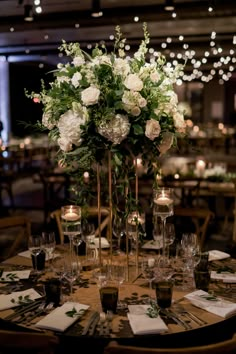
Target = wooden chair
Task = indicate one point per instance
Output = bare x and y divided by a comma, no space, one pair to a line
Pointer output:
226,347
27,342
92,213
199,217
14,234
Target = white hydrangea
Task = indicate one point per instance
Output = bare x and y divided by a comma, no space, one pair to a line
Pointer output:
69,126
121,67
116,130
78,61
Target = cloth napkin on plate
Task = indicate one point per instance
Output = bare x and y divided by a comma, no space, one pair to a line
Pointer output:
208,302
226,277
215,255
15,275
15,299
58,320
141,323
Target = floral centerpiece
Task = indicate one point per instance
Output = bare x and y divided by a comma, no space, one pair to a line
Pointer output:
104,101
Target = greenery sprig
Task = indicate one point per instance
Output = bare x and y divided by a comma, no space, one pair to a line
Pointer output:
22,300
153,310
10,277
73,313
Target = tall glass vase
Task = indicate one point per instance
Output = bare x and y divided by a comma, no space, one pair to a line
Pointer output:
163,207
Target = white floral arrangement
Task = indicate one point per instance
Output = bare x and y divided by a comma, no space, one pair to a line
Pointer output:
110,101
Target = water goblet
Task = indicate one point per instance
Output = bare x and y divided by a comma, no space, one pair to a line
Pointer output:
71,272
49,245
35,248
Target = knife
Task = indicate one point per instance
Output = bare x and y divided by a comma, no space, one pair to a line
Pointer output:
92,318
176,319
24,309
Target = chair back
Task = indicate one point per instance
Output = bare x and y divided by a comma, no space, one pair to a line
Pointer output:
27,342
14,234
200,217
227,347
91,212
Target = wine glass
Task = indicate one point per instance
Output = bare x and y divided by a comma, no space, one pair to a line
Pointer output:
136,226
169,236
118,228
163,207
157,233
49,245
35,247
71,272
88,235
71,223
148,269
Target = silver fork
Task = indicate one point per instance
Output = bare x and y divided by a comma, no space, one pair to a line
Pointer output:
43,309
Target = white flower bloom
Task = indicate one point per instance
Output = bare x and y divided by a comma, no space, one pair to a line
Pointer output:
166,143
133,99
155,76
116,129
179,122
142,102
78,61
65,144
133,82
61,79
153,129
69,126
121,67
102,59
90,96
76,79
47,120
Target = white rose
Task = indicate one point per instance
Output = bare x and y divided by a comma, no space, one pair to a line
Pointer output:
142,102
179,122
133,82
78,61
76,79
47,120
90,96
153,129
166,143
64,144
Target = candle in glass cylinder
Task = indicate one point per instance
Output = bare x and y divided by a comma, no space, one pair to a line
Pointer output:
163,205
71,215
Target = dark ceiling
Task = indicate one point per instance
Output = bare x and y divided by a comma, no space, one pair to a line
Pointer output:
71,20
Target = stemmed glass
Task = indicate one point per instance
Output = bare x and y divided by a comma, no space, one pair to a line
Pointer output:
148,269
71,272
49,245
136,224
35,247
169,236
163,207
88,235
117,228
71,223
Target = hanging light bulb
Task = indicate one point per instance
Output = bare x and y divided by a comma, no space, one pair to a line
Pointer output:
169,5
96,9
28,14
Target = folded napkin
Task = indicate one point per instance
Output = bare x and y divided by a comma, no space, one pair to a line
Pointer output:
226,277
104,242
17,298
58,320
141,323
152,245
27,254
216,255
210,303
15,275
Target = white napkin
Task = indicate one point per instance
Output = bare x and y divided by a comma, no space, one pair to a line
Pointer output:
57,320
104,242
27,254
215,255
141,323
226,277
15,275
12,300
152,245
219,307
